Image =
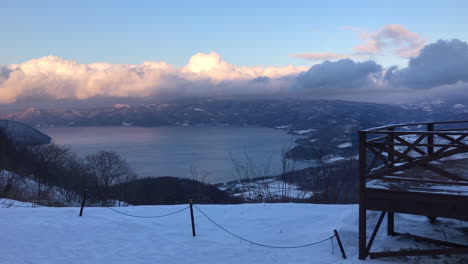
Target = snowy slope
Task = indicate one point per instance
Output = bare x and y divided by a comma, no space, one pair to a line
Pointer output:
25,189
24,134
59,235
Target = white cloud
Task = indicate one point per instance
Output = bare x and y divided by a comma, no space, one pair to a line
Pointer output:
396,38
56,78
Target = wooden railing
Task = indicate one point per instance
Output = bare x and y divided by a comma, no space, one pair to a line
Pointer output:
399,147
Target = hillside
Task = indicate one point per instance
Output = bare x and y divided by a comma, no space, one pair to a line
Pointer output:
59,235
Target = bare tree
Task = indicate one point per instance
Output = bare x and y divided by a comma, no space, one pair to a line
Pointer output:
109,168
48,158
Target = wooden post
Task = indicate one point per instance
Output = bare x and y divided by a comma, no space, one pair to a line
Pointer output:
192,218
339,243
391,224
83,202
362,198
391,147
430,139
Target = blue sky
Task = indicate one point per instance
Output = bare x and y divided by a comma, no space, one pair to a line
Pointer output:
243,32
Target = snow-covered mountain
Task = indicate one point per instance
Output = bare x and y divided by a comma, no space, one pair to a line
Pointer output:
23,134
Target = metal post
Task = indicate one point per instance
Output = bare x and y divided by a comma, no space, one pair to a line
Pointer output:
192,218
362,198
83,202
339,243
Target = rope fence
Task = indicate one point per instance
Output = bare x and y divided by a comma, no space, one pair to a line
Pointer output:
140,216
260,244
192,218
85,194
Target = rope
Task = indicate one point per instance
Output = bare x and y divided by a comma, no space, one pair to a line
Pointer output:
140,216
156,216
259,244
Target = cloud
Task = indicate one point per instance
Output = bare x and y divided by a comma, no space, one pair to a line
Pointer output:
320,56
56,78
340,76
396,38
440,63
438,71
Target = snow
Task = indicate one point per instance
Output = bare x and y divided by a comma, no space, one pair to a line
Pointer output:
333,159
436,188
126,124
7,203
59,235
268,189
24,188
304,131
345,145
121,105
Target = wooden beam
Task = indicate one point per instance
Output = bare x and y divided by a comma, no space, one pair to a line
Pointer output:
415,252
374,233
391,224
362,195
418,162
443,173
395,178
432,241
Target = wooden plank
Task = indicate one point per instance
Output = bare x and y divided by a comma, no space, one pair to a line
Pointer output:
432,241
362,195
374,233
416,252
376,139
430,139
391,224
454,141
401,179
412,124
375,144
418,162
380,132
441,205
443,172
411,146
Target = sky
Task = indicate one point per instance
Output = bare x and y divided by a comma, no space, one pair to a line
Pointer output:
255,47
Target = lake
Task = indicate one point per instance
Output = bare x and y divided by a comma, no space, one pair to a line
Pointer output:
178,150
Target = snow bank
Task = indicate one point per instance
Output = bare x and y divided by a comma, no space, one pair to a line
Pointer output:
345,145
304,131
24,188
58,235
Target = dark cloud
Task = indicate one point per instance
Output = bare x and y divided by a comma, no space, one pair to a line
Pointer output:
4,72
342,74
261,79
440,63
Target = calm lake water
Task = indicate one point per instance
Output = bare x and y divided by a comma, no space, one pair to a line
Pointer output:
172,151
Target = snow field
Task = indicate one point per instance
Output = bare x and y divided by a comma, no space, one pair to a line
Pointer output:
59,235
